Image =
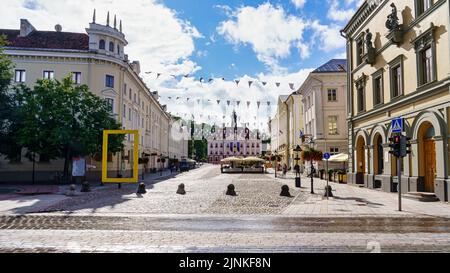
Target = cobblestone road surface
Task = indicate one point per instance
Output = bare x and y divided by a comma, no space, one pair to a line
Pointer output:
206,220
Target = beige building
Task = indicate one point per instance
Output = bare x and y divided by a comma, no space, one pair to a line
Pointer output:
285,128
324,102
96,58
399,67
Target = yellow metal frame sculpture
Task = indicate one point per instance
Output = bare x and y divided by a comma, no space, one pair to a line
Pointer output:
135,178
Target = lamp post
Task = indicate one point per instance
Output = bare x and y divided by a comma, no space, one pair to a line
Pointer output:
143,167
298,181
276,163
311,145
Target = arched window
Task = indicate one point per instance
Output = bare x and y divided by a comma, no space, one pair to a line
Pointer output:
118,49
111,46
102,44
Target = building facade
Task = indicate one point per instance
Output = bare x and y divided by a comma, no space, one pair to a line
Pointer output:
324,102
285,128
178,140
227,142
399,67
97,59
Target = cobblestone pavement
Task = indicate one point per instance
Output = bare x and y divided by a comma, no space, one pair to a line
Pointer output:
206,220
62,233
205,187
182,241
258,194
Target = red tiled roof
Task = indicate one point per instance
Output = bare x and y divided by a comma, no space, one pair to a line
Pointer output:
47,40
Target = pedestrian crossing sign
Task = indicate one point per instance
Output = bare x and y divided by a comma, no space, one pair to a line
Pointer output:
397,125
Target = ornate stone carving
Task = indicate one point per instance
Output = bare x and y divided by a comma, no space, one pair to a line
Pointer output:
370,49
394,27
392,22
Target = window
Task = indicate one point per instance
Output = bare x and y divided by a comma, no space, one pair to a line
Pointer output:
109,81
425,47
332,95
360,95
76,77
111,46
129,114
20,76
396,77
359,51
422,6
118,49
427,65
48,75
378,89
397,84
110,103
334,151
124,111
124,89
332,125
130,95
102,45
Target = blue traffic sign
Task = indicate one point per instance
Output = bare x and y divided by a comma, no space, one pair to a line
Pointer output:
326,156
397,125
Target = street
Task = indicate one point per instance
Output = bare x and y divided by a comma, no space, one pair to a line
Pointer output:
206,220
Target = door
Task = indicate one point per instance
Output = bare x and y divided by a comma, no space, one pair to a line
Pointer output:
430,164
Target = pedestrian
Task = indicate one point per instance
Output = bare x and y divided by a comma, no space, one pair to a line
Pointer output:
285,168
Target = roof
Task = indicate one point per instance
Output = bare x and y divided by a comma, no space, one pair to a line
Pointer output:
47,40
334,65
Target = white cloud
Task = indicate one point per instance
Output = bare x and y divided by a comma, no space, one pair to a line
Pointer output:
211,112
157,37
327,37
298,3
268,29
336,13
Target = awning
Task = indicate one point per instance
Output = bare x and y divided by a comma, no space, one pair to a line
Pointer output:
231,159
253,159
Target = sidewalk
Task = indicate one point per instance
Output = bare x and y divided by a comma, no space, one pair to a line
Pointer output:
350,200
22,199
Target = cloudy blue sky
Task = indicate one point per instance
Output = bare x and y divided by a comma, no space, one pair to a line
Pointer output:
262,41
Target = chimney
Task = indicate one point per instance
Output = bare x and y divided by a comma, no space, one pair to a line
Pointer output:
25,28
136,66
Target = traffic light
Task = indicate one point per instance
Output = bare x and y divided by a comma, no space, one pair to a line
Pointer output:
394,144
405,146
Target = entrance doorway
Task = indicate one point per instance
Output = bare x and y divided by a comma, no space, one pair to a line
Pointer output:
427,156
360,160
378,155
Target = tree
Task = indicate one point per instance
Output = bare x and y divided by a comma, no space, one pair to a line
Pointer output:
10,120
64,120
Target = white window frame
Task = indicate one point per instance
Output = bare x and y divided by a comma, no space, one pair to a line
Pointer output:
48,74
76,77
20,76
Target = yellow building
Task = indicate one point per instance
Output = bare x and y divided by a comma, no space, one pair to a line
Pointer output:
399,67
96,58
285,128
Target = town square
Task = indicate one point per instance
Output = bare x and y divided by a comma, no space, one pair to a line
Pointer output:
168,126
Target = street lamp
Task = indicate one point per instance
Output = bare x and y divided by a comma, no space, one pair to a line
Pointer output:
276,163
298,181
311,145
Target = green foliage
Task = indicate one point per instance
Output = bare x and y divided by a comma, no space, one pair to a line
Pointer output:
9,120
312,155
64,120
200,147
